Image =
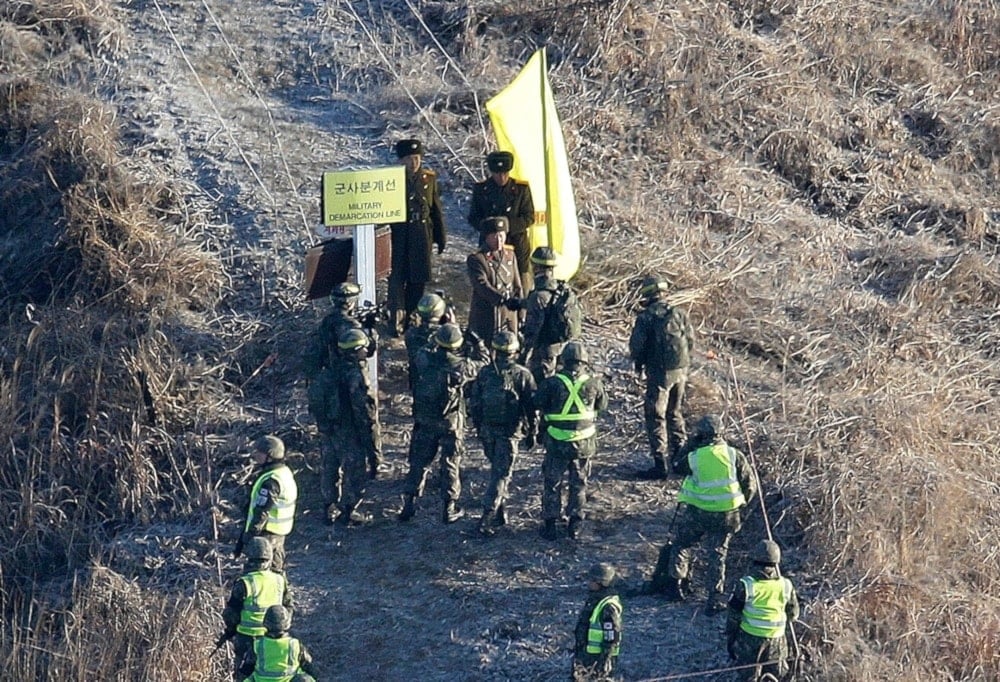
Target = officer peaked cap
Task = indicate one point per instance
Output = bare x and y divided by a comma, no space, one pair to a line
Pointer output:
496,223
500,162
408,147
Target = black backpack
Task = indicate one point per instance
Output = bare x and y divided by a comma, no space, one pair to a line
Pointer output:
500,404
564,317
431,392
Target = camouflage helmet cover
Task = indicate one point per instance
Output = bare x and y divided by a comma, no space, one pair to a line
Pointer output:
448,336
431,306
352,339
277,619
767,553
602,574
506,342
272,446
710,426
573,353
652,285
544,256
258,548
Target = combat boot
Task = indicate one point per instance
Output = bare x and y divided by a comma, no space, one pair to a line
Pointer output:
451,512
501,517
330,513
674,590
486,524
573,530
409,509
657,472
353,517
549,530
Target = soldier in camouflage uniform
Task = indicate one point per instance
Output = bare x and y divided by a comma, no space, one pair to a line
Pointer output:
411,241
500,405
272,499
661,344
718,484
762,608
277,656
494,279
322,349
542,342
569,403
353,437
441,373
501,195
431,309
598,629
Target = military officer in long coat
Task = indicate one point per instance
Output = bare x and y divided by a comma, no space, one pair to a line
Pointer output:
495,280
412,240
502,195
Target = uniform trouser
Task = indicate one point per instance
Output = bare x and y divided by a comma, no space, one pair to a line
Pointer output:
501,451
353,458
424,445
560,458
403,297
771,653
664,420
522,251
593,667
332,475
242,644
713,529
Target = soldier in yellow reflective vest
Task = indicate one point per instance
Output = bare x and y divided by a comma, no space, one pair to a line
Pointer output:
271,510
278,657
718,483
569,402
253,593
762,606
599,628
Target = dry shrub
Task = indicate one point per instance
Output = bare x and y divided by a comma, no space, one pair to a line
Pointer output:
110,628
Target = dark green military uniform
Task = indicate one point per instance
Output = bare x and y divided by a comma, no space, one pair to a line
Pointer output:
762,607
276,656
441,374
704,521
501,408
412,240
417,337
540,348
570,438
353,438
501,195
494,279
661,345
598,631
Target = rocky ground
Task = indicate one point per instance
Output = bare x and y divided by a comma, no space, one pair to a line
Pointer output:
245,103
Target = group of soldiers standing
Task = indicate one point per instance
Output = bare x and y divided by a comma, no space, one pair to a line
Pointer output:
521,375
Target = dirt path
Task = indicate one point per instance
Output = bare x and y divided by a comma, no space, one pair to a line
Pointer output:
390,601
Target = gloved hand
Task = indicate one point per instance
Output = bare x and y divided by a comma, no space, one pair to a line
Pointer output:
440,249
513,304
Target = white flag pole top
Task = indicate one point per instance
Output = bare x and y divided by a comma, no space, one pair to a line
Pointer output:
526,123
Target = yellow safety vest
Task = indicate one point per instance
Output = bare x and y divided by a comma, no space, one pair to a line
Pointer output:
282,514
595,633
764,607
264,589
578,418
277,659
712,485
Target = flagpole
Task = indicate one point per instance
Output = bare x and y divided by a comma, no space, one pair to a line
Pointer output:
545,151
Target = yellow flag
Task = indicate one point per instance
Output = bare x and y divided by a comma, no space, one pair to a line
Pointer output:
525,123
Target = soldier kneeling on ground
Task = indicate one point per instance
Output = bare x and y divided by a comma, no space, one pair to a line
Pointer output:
278,657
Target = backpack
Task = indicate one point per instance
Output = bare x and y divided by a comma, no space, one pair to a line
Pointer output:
323,396
500,403
431,392
670,333
564,317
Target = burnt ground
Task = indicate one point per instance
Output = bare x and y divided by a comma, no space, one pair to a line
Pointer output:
250,137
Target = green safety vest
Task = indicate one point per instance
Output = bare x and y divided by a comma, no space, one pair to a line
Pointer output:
277,659
764,607
264,589
712,485
281,515
595,633
577,417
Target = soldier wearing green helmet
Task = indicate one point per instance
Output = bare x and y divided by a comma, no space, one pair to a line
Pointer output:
500,406
441,372
272,499
353,441
599,628
433,312
661,344
276,655
759,618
